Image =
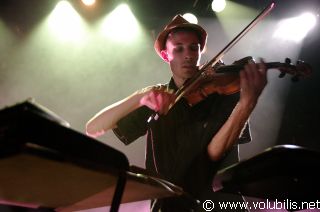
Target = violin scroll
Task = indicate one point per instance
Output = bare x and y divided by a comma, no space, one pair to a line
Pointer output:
299,71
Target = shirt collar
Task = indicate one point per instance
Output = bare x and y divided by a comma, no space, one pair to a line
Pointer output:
172,84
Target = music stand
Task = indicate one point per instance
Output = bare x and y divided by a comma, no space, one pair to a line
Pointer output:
45,163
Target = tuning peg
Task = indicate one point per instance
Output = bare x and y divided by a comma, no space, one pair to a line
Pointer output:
282,74
287,61
300,62
295,78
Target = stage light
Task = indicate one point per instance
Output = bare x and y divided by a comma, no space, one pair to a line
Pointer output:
234,18
295,29
218,5
65,22
88,2
121,24
191,18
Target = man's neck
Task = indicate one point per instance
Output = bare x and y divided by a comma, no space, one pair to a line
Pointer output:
178,82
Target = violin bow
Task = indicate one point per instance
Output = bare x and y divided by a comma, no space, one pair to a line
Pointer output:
192,81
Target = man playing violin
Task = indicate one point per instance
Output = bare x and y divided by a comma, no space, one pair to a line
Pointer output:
186,144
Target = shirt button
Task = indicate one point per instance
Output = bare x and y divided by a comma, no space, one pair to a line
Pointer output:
205,124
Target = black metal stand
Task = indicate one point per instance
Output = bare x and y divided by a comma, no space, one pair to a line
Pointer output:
284,172
116,200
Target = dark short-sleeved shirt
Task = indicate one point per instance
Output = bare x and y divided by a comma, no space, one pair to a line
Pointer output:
177,142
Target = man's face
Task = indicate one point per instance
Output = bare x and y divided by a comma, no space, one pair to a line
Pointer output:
183,54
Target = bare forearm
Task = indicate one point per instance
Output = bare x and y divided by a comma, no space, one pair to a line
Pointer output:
229,132
253,79
108,117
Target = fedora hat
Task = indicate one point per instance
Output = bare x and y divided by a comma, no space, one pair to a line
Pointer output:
178,22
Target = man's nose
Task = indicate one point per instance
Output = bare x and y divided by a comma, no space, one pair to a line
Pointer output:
188,56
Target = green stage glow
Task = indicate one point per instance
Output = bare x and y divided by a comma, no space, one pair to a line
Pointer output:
120,24
66,23
235,17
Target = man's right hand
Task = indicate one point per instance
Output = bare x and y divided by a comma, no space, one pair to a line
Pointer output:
158,98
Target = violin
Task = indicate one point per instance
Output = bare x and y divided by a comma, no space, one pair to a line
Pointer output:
225,79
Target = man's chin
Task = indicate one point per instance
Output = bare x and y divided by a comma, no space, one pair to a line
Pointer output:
189,72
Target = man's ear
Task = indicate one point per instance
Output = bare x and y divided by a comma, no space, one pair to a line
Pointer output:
164,55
